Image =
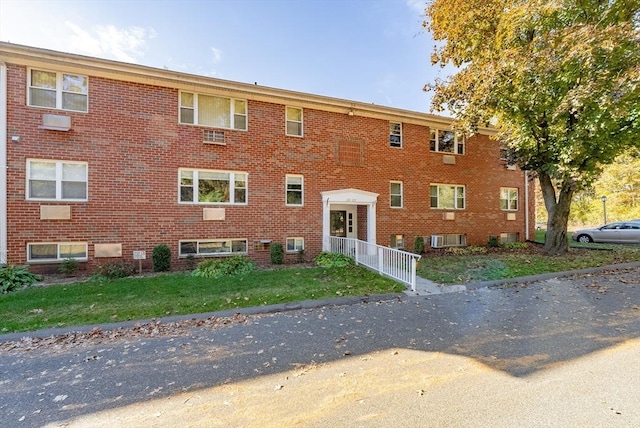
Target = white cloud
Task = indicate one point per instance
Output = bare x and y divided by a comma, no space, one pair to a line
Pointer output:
122,44
217,55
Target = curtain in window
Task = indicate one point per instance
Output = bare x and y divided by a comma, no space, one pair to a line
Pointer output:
42,180
214,111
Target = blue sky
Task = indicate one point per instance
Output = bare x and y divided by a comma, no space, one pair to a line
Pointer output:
363,50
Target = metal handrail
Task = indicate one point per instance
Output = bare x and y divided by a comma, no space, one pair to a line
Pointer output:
396,264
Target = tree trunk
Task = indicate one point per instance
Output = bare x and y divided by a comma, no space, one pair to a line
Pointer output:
558,213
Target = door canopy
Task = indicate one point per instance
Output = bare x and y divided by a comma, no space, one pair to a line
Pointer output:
349,197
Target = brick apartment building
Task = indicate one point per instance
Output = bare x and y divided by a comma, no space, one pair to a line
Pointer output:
104,159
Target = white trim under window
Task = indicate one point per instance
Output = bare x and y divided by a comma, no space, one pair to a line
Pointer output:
213,111
395,194
446,141
509,199
202,186
295,245
294,123
54,180
47,252
447,196
395,134
294,192
56,90
212,247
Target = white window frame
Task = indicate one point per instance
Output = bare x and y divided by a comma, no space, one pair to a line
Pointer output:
298,244
395,133
232,111
58,90
199,242
58,165
456,198
506,194
393,241
448,240
196,180
391,194
459,141
59,258
288,120
509,237
287,190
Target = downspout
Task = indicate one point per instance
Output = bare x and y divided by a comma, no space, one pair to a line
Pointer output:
526,206
3,163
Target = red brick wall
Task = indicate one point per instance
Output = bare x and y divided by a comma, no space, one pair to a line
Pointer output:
134,146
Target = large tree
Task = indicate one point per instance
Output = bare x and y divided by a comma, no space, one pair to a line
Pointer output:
560,80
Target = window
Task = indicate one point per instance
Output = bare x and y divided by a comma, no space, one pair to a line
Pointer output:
56,251
56,180
208,187
450,240
395,134
446,141
295,245
209,110
213,247
447,197
509,199
294,190
58,90
294,121
396,241
506,238
395,190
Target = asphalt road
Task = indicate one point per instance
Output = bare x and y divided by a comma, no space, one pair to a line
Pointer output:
486,357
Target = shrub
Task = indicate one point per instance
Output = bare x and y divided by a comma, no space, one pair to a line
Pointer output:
217,268
301,255
515,245
277,253
161,258
459,251
114,270
418,245
190,262
333,260
68,267
494,242
13,278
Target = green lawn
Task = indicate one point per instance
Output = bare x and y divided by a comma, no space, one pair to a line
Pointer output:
465,268
178,293
94,302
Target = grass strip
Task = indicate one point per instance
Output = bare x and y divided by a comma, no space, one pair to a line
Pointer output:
96,302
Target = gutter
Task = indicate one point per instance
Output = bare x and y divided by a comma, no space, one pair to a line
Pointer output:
526,206
3,163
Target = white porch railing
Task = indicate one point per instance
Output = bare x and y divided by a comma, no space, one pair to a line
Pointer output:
396,264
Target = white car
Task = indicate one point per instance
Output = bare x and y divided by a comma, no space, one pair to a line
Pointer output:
627,232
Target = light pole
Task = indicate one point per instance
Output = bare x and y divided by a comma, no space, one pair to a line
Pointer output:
604,208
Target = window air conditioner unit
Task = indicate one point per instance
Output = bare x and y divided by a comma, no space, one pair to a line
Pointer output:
55,122
437,241
213,137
